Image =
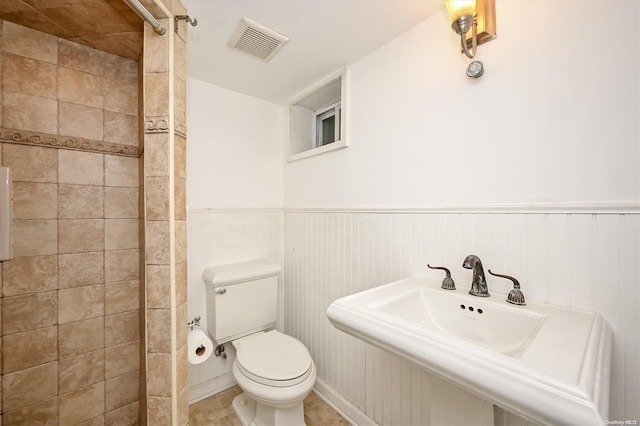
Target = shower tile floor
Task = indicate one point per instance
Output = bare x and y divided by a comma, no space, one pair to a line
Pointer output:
217,411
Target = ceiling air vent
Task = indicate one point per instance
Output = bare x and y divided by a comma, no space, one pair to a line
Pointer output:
256,40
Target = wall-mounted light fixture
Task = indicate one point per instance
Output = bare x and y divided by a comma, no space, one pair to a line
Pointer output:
479,16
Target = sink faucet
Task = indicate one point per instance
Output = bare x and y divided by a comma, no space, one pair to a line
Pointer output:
479,282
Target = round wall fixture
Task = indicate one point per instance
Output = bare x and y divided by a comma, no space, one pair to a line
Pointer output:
475,69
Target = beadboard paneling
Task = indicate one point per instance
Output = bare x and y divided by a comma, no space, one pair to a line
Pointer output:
216,237
576,260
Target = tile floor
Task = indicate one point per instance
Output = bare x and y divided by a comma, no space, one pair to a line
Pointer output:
217,411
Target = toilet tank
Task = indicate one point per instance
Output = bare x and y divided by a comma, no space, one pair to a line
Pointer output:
242,298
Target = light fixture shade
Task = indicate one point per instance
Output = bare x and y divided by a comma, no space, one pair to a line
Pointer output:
484,13
458,8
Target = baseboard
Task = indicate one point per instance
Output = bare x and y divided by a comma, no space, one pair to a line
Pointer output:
211,387
347,410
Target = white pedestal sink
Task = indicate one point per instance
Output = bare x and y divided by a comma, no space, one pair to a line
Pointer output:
546,363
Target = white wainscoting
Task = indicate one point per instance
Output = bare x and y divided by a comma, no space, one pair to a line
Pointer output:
216,237
582,260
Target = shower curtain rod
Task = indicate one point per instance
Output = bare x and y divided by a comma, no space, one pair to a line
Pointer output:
144,14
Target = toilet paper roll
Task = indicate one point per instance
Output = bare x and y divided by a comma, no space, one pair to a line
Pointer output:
199,345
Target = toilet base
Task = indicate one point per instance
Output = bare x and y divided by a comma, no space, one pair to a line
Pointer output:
252,413
245,408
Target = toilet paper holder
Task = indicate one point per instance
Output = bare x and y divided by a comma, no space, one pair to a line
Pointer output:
194,323
219,350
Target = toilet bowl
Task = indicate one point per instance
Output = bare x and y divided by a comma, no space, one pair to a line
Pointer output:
274,370
276,373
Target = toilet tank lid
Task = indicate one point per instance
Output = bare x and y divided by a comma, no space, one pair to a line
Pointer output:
239,272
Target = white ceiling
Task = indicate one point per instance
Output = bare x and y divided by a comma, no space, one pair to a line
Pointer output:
324,35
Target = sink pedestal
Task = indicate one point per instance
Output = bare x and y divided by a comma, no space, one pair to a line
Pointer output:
453,406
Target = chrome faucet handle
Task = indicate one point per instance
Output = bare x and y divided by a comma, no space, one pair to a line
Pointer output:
447,282
515,296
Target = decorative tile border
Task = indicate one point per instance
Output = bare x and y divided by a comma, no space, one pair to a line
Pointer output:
156,125
181,130
23,137
161,125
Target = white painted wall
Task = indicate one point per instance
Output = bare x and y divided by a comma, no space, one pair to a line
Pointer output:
552,123
234,196
235,149
553,120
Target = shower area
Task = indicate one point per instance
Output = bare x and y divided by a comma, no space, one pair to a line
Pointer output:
92,125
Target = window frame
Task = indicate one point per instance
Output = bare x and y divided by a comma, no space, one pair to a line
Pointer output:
318,117
313,149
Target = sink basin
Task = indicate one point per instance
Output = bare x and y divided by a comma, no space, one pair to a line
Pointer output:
503,329
546,363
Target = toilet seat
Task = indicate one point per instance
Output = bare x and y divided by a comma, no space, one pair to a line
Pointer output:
273,359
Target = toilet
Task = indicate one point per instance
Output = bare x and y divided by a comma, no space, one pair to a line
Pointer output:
274,370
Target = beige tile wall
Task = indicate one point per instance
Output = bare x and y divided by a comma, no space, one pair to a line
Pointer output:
180,212
165,225
57,87
159,349
70,297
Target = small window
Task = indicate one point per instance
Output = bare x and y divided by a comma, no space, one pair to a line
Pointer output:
317,119
327,125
